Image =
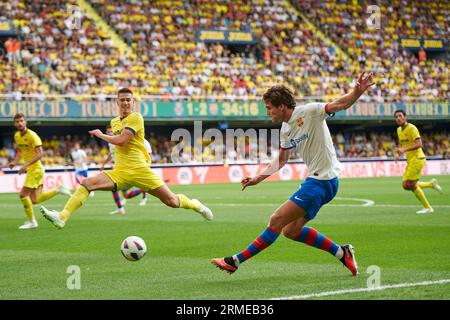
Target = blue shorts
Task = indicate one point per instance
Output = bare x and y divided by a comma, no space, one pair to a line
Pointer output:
83,173
313,194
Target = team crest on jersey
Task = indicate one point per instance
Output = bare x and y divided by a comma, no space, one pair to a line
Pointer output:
299,122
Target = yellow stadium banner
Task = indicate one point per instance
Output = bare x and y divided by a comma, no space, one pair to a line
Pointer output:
7,28
433,44
414,44
225,36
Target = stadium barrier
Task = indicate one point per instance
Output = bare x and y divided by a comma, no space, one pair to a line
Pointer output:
51,111
11,181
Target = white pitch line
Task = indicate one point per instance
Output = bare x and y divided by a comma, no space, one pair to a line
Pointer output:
338,292
156,204
367,202
327,205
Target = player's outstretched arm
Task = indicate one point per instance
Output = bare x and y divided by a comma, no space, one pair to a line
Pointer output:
273,167
347,100
119,140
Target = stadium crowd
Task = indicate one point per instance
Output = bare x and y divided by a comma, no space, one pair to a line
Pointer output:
405,76
74,57
17,80
170,62
348,145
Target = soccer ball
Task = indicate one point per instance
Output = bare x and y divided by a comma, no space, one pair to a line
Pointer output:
133,248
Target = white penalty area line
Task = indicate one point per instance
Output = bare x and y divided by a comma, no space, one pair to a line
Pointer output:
365,202
380,288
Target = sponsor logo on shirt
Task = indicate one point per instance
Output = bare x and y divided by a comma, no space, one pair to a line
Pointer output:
299,122
295,142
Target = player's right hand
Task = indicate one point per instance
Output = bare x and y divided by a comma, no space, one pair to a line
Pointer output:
95,133
247,181
364,82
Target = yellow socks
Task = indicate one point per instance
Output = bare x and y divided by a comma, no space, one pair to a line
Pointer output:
75,201
28,206
425,184
187,203
46,195
421,196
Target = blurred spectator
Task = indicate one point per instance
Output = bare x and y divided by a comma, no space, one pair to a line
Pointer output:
13,47
422,55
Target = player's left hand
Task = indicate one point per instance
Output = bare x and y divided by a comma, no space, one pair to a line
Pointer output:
364,82
95,133
400,151
22,170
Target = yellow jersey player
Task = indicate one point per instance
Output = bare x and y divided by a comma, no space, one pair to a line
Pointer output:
131,167
411,145
29,147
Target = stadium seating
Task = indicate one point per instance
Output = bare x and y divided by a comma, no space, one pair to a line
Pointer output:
401,76
170,63
73,59
163,35
164,31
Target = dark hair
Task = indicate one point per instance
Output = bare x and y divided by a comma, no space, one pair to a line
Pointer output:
401,111
124,90
18,116
280,94
108,126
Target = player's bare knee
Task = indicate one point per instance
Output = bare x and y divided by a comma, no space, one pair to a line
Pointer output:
276,222
171,201
23,194
89,184
289,233
407,186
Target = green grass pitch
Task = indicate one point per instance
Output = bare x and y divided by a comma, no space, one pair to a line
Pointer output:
408,248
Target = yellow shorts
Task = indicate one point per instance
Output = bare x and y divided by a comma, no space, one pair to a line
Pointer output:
34,179
143,178
413,169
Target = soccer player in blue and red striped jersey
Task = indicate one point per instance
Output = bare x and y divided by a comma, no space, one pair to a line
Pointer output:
303,127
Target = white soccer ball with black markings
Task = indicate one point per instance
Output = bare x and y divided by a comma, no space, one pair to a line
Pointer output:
133,248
